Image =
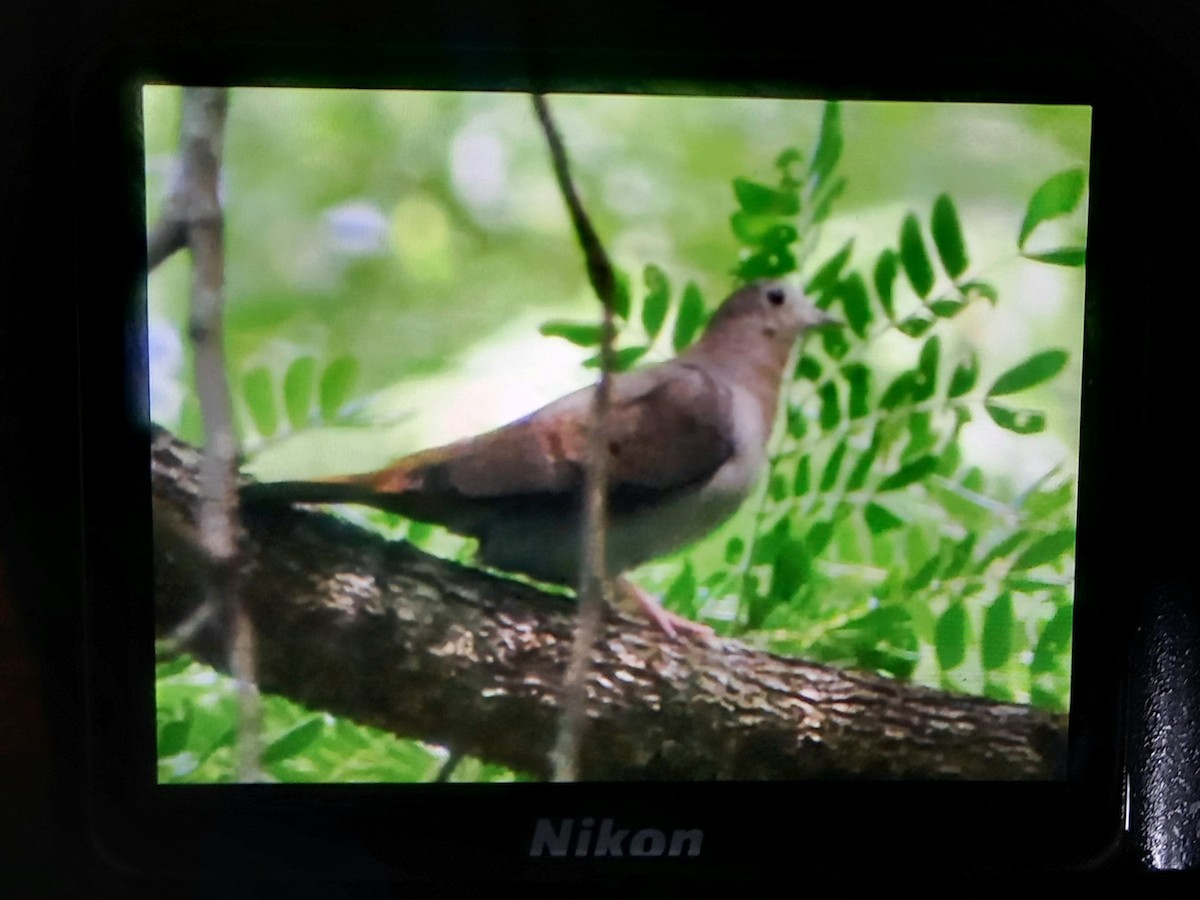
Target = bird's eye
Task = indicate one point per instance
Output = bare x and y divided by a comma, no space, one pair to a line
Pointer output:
775,296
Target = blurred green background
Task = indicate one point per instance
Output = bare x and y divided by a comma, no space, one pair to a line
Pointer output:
423,235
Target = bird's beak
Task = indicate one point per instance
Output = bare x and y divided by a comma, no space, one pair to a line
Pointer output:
822,319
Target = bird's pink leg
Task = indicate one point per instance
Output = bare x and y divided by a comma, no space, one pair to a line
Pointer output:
668,623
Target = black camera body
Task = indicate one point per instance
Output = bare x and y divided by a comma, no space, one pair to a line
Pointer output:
1122,797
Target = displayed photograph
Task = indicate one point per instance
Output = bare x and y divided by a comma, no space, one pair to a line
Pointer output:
501,437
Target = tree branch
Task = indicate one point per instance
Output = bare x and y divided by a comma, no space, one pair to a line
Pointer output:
193,218
384,634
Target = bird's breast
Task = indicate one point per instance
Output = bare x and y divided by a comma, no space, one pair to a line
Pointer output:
693,514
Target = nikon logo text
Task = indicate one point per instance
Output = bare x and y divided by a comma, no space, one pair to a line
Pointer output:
562,838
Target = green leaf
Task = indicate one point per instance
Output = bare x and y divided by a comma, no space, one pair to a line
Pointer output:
1058,195
835,343
957,507
788,158
960,556
752,197
885,277
581,334
818,537
1073,257
1040,504
298,384
623,358
1002,549
880,519
337,381
168,668
769,542
770,263
825,200
950,459
914,257
803,479
750,597
829,143
909,474
856,303
622,299
1038,368
899,391
779,236
946,309
777,489
808,367
859,378
884,640
951,637
758,199
973,289
418,533
751,267
1054,642
998,626
924,575
797,422
925,383
858,475
1031,585
756,230
948,237
792,569
260,400
293,741
1018,421
831,412
173,736
1046,549
690,318
966,374
658,298
833,467
681,595
826,276
734,550
922,437
915,325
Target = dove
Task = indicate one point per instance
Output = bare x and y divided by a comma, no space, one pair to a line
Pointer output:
686,441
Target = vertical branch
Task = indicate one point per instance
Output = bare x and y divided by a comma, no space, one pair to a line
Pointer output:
194,211
593,575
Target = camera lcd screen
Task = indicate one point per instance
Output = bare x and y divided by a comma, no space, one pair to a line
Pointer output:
400,272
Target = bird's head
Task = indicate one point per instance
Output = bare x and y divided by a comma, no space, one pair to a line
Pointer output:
772,308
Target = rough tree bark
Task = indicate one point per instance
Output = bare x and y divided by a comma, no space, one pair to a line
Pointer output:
384,634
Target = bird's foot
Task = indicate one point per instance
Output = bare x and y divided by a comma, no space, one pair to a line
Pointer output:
669,623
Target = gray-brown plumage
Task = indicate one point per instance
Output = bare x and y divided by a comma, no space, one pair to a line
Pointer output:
686,439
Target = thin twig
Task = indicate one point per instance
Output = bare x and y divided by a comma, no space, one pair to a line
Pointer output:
196,204
593,575
599,267
168,235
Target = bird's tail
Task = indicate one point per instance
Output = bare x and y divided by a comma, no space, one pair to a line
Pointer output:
269,493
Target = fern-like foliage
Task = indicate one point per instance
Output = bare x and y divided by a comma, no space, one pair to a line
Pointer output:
873,543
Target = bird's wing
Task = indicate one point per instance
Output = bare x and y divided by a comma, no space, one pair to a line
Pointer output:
670,428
